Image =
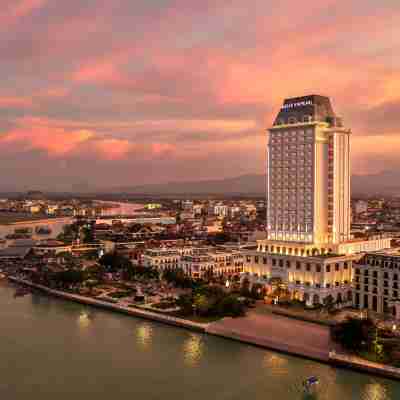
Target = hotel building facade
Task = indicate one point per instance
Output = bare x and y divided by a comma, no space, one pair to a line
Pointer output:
308,245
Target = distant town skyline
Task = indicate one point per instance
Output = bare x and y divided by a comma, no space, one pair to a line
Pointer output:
126,93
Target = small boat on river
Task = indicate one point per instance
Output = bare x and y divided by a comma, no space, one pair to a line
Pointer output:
310,384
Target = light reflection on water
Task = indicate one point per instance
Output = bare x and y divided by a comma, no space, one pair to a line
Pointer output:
144,335
375,391
150,361
84,319
276,363
193,349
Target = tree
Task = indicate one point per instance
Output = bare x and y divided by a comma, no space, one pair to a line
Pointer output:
329,302
231,306
203,304
353,333
114,262
185,302
257,291
69,277
245,288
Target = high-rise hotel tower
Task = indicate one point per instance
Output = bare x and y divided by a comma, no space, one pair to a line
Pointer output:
308,174
308,245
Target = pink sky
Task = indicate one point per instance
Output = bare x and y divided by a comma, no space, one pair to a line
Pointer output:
123,93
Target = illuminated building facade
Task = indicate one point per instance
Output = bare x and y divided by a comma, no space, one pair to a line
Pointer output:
308,174
309,247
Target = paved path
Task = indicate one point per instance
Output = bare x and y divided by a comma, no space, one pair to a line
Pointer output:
276,332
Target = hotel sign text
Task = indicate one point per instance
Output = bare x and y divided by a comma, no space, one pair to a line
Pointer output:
297,104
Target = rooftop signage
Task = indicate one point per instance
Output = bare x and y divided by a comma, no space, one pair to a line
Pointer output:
296,104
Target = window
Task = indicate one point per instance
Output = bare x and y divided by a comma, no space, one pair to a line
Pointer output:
328,268
375,274
264,260
288,264
345,265
256,259
336,267
308,267
298,265
273,262
357,270
318,267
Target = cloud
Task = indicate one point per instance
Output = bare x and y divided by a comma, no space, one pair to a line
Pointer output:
187,89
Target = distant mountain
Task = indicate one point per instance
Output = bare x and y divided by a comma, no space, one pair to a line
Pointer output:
386,183
245,184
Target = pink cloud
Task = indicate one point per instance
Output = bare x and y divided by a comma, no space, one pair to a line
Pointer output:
113,149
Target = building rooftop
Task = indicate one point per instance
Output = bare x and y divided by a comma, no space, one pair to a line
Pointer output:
307,109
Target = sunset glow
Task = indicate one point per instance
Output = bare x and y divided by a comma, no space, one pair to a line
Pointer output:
126,93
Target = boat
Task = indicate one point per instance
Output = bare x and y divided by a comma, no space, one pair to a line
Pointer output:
310,383
23,230
42,230
14,236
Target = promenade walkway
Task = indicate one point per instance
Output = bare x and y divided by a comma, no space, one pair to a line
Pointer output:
277,332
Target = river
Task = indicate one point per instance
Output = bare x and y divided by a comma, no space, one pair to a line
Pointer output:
53,349
55,225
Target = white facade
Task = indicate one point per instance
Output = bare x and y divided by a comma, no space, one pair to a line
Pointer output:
377,282
308,176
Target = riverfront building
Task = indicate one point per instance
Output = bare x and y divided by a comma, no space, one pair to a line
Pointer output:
308,245
377,280
195,261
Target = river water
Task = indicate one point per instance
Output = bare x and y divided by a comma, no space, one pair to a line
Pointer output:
53,349
55,225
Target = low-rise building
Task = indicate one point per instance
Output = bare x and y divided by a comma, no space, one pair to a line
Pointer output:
307,278
51,247
376,281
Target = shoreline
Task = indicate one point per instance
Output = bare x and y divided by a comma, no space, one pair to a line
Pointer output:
333,358
37,221
132,311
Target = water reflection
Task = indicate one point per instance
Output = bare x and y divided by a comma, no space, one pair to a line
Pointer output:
144,334
193,349
375,391
84,319
276,364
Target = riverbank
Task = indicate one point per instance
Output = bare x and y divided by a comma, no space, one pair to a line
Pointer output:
39,220
133,311
259,328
